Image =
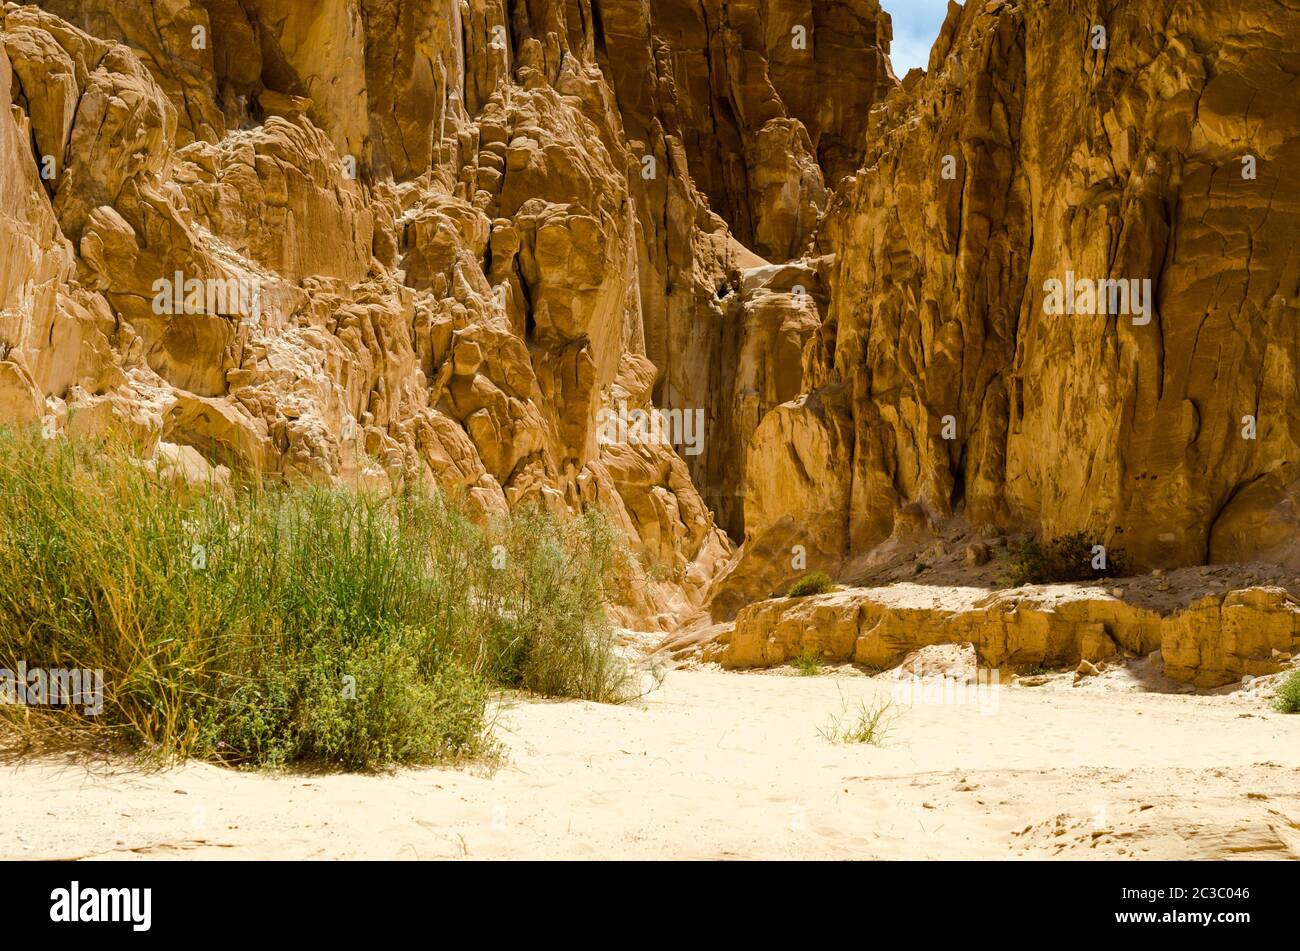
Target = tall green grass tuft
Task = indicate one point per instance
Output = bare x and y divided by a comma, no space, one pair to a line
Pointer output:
807,662
547,628
274,625
870,723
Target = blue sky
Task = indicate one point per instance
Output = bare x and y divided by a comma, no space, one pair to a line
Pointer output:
916,27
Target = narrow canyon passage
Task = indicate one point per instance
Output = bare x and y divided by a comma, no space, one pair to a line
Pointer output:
383,382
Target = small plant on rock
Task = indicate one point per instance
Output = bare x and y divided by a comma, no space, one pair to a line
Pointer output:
817,582
806,662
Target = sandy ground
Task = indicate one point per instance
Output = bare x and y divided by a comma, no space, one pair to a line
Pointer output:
725,765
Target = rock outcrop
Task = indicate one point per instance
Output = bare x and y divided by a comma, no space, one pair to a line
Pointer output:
1216,640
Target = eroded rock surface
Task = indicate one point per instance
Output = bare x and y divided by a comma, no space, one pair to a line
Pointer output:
1214,641
444,240
1037,148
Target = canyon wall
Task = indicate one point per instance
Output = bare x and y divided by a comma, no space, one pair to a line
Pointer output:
364,241
1064,141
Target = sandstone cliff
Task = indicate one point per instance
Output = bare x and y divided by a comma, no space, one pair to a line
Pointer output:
1134,141
445,240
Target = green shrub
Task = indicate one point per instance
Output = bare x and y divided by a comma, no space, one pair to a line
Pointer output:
385,711
1064,559
817,582
269,625
1287,698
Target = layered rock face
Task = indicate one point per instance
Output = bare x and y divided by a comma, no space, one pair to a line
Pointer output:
365,241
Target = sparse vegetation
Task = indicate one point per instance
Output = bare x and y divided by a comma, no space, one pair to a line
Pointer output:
657,570
269,625
807,663
870,723
816,582
1287,698
1063,559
